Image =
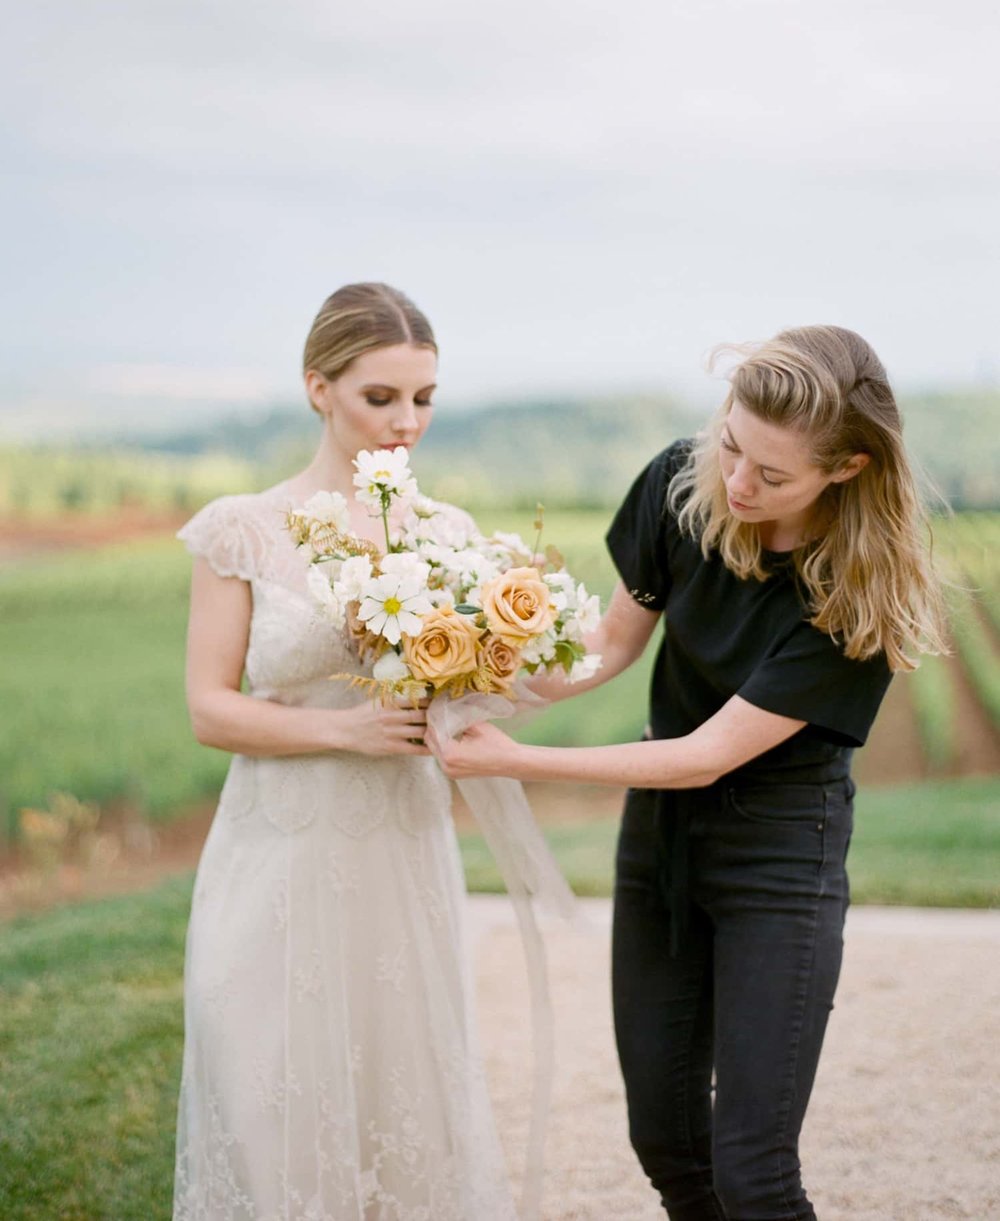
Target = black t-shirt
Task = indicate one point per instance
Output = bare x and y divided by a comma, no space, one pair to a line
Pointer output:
725,636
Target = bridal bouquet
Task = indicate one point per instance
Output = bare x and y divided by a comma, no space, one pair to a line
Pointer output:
442,609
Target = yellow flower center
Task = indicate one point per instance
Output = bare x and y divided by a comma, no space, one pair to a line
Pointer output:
382,474
392,606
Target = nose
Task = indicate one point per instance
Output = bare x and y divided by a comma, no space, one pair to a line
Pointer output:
405,419
740,482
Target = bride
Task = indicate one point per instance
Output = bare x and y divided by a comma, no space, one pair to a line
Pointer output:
331,1070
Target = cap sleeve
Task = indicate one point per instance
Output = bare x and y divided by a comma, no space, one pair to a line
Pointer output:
225,534
637,537
809,678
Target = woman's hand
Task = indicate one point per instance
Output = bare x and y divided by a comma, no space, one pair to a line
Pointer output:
482,750
373,730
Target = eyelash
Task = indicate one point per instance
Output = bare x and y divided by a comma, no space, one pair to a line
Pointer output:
374,402
771,483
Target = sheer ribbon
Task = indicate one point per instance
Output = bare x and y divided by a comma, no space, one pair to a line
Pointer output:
531,877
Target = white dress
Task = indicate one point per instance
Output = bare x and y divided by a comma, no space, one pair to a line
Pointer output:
331,1069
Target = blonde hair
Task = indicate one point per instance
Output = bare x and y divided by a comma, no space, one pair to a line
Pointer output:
358,318
868,582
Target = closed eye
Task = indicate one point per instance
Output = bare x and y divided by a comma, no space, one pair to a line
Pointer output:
728,445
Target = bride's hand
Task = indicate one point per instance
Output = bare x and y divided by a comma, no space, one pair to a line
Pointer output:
373,730
482,750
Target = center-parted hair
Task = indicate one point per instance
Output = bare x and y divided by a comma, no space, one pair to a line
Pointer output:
359,318
867,578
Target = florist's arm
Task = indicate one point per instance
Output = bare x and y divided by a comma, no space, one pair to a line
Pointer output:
738,732
222,716
620,638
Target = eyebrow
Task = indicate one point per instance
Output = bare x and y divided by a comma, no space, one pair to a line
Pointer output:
775,470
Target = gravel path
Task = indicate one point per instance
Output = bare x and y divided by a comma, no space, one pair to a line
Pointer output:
905,1119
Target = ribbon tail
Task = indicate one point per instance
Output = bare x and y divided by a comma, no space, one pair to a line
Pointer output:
529,872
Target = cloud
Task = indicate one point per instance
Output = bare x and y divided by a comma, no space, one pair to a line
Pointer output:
580,195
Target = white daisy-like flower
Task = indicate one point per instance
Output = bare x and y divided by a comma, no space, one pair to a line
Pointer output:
331,606
383,471
392,604
328,508
355,573
390,668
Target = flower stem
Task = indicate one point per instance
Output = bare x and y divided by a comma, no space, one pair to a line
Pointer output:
539,518
386,501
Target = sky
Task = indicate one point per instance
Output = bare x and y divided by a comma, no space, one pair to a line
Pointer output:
584,197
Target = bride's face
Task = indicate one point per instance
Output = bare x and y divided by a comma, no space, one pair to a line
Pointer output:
381,400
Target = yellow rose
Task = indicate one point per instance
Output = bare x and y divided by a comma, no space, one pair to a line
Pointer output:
499,661
445,648
517,605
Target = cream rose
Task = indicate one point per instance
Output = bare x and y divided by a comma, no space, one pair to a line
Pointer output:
445,648
517,604
499,661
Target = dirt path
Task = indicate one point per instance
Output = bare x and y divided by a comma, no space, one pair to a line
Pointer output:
905,1119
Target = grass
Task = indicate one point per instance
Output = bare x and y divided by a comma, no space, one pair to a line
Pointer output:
90,1045
935,844
92,674
91,999
91,683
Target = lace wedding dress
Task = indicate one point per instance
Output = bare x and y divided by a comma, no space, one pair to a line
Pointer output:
331,1069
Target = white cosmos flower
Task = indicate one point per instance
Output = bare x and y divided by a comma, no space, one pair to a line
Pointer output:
383,471
329,508
392,604
331,605
390,668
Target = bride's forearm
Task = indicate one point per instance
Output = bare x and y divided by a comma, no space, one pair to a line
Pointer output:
246,725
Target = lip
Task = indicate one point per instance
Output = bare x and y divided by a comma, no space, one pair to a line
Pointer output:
738,504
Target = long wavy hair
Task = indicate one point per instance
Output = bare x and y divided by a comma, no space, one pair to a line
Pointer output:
358,318
868,580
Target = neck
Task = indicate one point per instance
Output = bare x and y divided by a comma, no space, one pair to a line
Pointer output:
331,470
787,535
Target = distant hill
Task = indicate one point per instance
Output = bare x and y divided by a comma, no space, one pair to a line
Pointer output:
558,451
587,450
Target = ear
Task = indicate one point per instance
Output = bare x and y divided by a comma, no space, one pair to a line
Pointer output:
854,464
318,389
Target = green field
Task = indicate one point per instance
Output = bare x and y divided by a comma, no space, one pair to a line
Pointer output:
92,672
91,687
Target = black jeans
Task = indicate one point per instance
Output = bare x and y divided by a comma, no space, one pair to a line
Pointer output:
757,881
